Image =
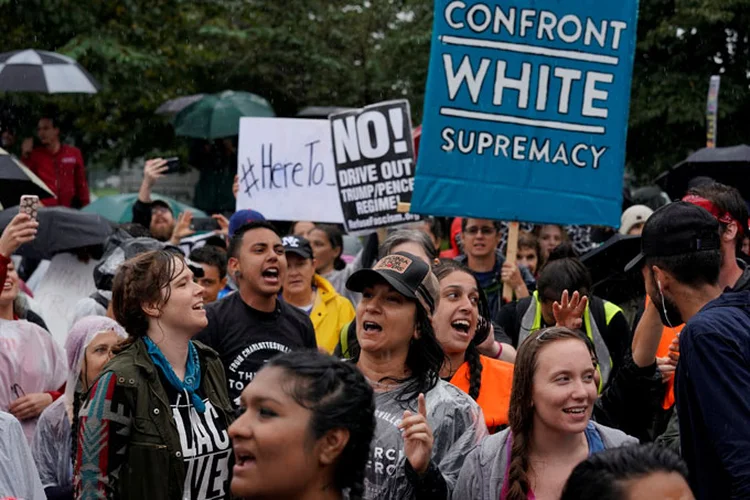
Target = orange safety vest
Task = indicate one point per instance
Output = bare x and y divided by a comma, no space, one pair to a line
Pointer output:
668,334
494,392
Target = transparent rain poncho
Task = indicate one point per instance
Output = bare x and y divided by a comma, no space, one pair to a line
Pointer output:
30,362
51,445
457,425
18,476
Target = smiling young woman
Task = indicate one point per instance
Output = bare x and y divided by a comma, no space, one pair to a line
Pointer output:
155,422
554,390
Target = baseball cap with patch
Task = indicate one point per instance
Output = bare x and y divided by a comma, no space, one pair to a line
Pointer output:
298,245
407,274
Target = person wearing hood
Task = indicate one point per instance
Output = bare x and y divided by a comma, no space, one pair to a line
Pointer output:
89,347
454,241
481,238
18,474
314,295
681,264
32,364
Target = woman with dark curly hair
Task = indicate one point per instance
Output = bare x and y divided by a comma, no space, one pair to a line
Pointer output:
305,431
461,326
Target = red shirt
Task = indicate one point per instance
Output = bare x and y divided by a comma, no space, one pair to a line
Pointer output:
64,173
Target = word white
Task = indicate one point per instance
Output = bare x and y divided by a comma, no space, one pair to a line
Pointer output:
521,148
563,78
542,25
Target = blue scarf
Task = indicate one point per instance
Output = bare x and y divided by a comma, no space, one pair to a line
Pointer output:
192,372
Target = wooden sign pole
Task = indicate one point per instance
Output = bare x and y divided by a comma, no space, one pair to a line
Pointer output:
510,256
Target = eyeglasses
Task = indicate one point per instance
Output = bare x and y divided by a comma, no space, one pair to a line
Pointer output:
486,230
17,390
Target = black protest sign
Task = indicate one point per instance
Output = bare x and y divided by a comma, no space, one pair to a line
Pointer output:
374,156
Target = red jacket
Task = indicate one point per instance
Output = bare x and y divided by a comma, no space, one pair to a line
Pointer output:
64,173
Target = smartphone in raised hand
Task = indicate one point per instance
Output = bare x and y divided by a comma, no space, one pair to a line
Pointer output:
173,165
29,204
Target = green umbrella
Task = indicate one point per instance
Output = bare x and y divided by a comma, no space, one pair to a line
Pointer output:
218,115
119,207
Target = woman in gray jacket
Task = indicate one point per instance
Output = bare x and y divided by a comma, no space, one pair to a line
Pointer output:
554,390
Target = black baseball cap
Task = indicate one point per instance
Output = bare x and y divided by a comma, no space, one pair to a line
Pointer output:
298,245
161,203
406,273
677,229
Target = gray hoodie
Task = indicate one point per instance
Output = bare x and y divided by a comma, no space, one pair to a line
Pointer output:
483,471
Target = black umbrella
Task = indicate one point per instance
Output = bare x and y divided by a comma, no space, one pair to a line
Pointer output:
16,180
174,106
46,72
320,111
730,166
606,264
61,229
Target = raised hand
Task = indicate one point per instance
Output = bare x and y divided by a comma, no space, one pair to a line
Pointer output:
418,438
21,229
569,313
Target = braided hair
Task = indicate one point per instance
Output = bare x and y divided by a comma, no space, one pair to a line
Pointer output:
442,269
521,410
339,397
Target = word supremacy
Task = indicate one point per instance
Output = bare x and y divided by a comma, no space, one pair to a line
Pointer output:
529,70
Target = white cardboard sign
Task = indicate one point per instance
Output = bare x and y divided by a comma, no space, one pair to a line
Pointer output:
286,169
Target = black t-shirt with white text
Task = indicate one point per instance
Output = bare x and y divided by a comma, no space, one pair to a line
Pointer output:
206,447
246,338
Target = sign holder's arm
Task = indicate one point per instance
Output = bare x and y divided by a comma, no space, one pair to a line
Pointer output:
510,256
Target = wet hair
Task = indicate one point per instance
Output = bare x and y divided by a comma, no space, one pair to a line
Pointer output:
407,236
495,223
603,476
339,397
211,256
425,358
521,410
563,271
529,240
235,244
729,200
140,281
336,239
443,269
692,269
51,115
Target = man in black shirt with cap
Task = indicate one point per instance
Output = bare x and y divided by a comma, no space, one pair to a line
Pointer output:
252,325
680,261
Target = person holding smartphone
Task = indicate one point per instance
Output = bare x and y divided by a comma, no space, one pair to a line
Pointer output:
32,365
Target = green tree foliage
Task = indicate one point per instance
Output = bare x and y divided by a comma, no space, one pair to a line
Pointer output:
350,53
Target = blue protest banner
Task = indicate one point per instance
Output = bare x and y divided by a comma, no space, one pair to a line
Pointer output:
526,110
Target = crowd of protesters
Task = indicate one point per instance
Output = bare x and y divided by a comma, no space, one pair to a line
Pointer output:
263,364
